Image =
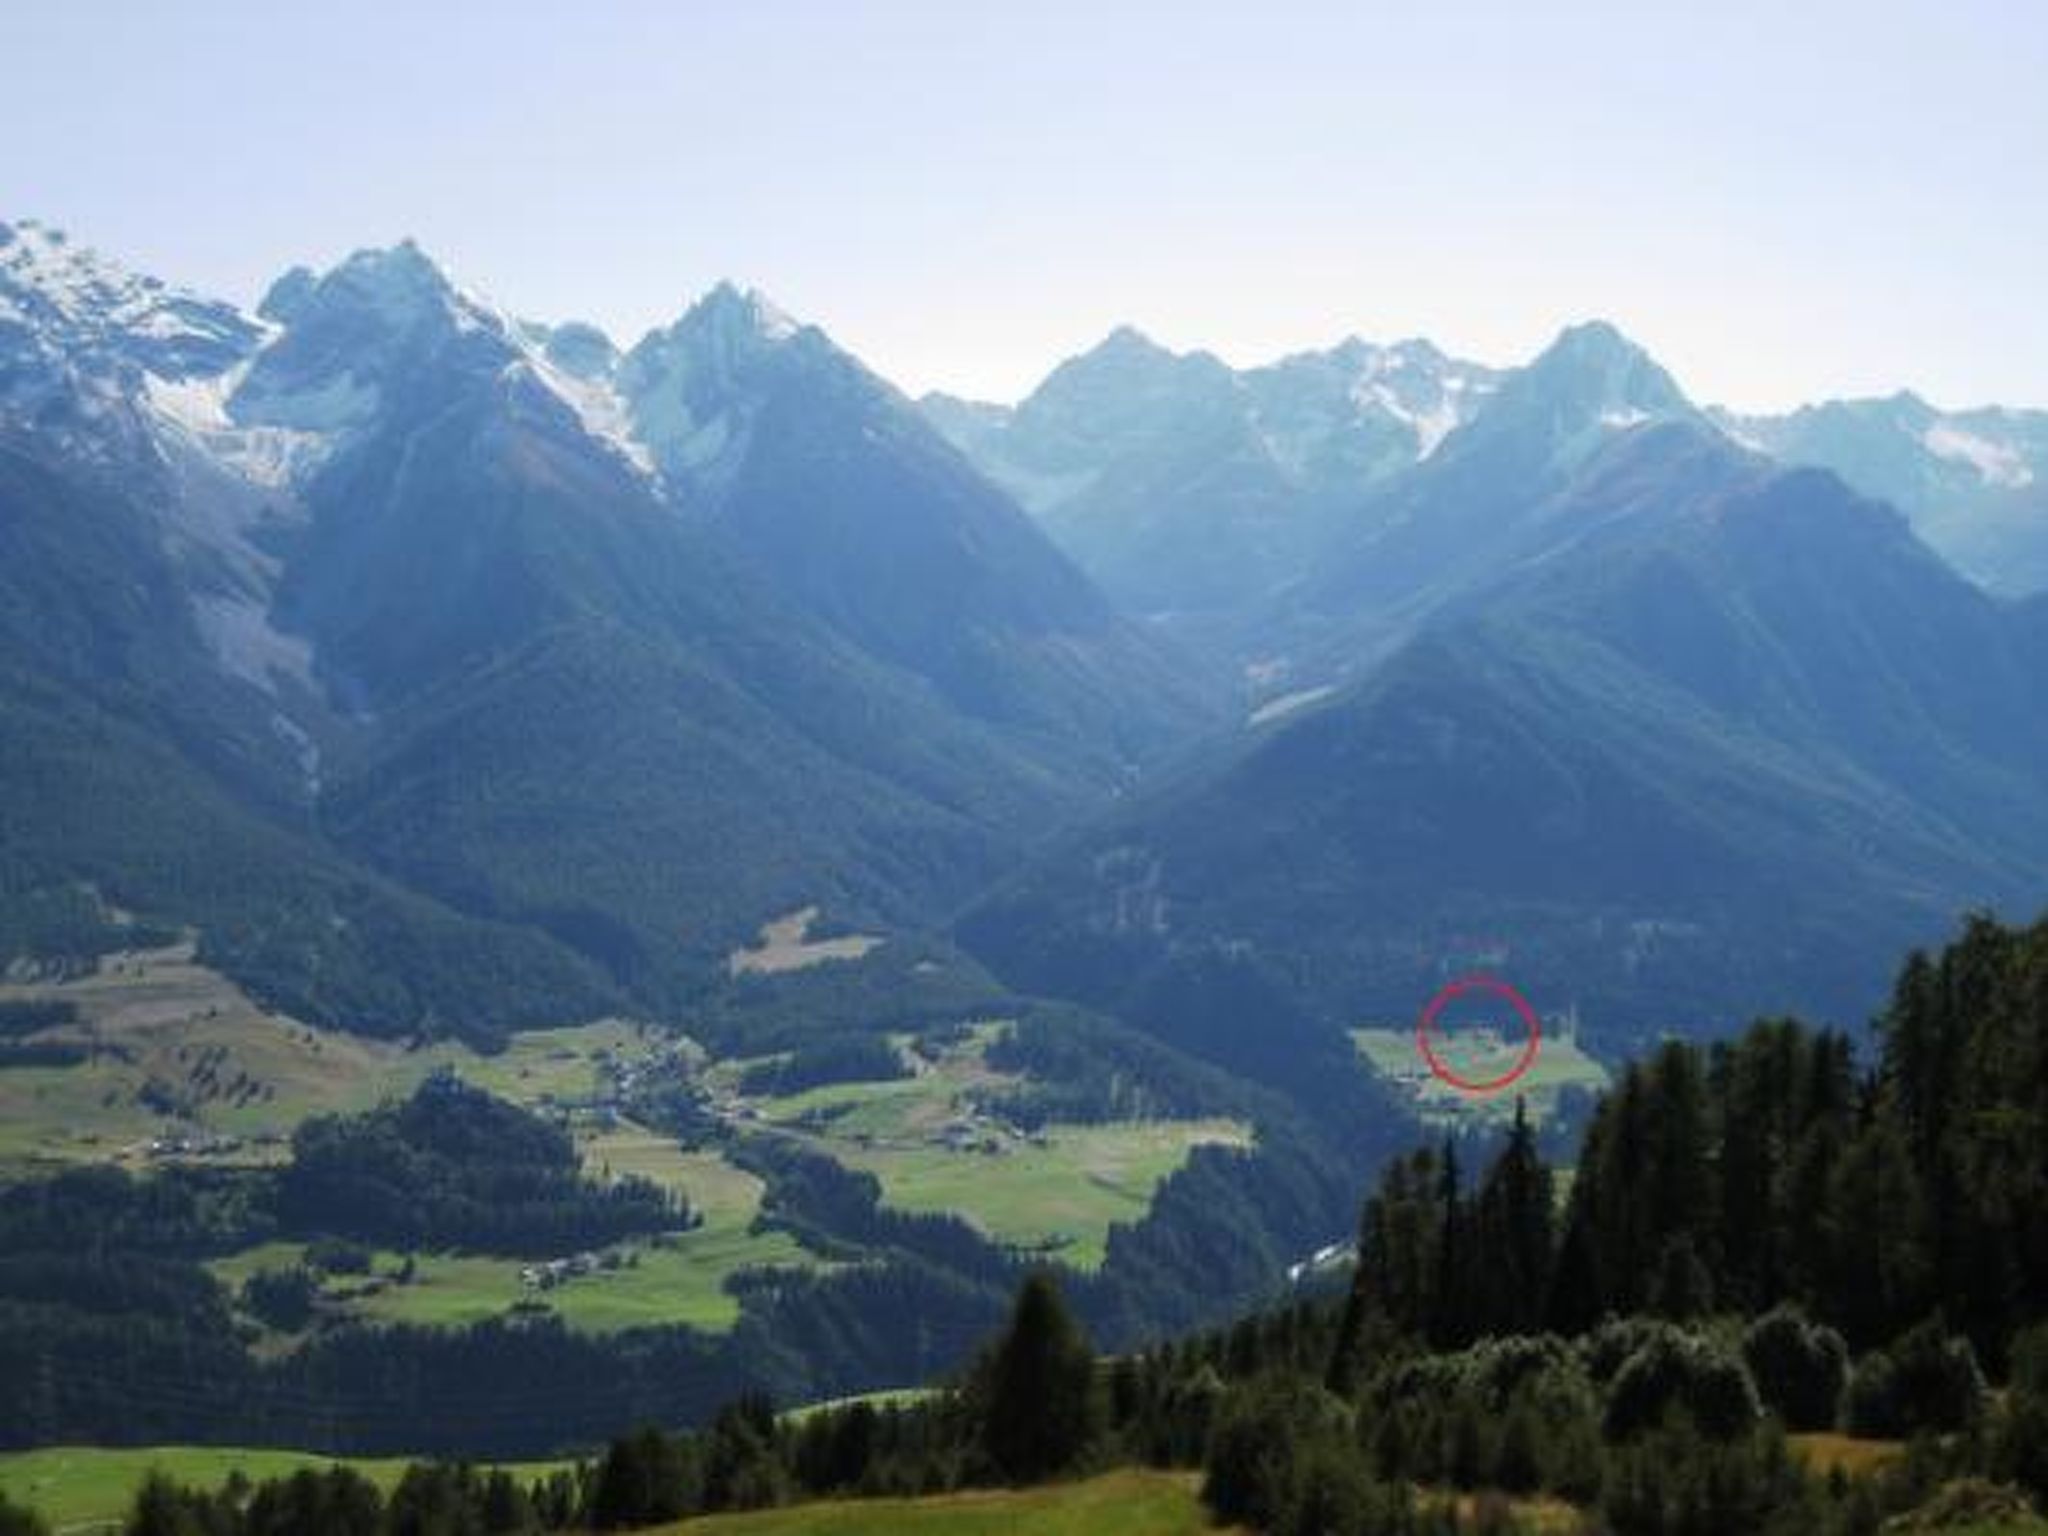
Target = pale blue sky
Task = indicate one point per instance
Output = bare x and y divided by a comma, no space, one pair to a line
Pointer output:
1781,200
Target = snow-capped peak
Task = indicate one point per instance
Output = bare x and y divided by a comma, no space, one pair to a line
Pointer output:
741,314
1590,383
352,337
405,289
1596,366
692,389
58,298
71,284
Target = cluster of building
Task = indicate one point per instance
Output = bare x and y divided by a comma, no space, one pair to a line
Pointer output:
549,1273
202,1144
990,1137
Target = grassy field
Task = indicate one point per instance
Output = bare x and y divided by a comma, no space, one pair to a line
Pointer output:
1560,1065
1826,1453
81,1486
1127,1503
79,1489
1060,1197
1540,1516
786,945
230,1069
179,1051
158,1018
541,1067
679,1279
933,1150
181,1055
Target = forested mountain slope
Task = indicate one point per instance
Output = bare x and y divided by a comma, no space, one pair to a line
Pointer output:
1722,739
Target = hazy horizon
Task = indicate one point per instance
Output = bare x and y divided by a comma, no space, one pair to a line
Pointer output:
1781,209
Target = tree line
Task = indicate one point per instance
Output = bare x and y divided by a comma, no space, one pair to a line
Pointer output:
1662,1429
1768,1169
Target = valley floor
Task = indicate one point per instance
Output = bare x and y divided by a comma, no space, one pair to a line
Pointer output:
176,1065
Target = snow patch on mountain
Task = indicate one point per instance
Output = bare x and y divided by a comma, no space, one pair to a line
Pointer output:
773,321
597,403
214,523
196,408
1996,464
1419,387
1621,418
692,391
1431,425
1287,704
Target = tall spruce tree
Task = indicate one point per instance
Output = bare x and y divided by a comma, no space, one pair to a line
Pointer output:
1040,1390
1449,1314
1512,1250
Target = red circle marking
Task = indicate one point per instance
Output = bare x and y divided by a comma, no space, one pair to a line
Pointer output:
1427,1025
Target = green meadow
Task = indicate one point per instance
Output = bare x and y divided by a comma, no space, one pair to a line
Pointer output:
929,1142
87,1486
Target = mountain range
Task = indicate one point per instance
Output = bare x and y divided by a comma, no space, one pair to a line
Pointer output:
1699,733
1201,494
1183,485
446,670
379,624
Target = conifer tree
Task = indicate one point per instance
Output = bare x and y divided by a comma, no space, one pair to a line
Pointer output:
1513,1240
1040,1413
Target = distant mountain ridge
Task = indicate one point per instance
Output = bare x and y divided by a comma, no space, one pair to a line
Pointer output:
1483,501
1974,482
1197,491
1179,482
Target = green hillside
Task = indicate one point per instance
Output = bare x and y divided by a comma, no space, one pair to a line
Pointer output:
1128,1503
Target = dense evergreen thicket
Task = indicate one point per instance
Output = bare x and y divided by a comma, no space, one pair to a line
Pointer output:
836,1058
25,1018
453,1166
1768,1169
